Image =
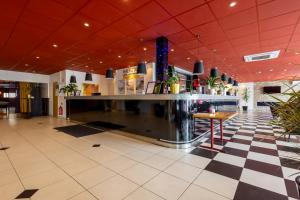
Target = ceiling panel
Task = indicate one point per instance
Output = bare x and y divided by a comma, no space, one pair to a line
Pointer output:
54,30
195,17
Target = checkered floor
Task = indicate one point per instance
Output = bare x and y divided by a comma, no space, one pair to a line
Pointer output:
256,162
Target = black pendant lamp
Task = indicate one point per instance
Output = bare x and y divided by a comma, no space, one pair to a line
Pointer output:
73,79
141,68
88,76
213,72
198,68
230,81
235,83
109,74
223,77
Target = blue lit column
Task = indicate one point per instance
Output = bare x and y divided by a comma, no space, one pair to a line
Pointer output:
162,50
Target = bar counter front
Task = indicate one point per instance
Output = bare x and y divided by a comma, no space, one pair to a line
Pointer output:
165,119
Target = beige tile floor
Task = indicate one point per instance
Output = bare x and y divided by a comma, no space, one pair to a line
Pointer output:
63,167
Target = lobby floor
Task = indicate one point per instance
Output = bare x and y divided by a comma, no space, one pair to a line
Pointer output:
40,162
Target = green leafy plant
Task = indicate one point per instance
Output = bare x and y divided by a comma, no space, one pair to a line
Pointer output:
69,89
287,112
246,95
212,82
222,86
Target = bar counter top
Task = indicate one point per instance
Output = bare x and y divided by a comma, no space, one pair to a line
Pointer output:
186,96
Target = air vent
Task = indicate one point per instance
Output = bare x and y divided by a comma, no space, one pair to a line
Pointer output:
262,56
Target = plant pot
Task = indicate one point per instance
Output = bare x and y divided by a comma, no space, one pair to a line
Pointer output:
175,88
245,108
212,91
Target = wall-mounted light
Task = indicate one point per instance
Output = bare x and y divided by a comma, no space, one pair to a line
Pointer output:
213,72
230,81
224,77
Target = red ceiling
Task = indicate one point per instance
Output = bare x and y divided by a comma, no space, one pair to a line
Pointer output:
29,28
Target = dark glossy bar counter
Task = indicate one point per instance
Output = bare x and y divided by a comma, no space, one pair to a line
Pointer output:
164,118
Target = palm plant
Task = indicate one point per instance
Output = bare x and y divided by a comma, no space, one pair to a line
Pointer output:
69,89
288,112
212,82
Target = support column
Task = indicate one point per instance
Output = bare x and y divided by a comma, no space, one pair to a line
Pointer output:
162,50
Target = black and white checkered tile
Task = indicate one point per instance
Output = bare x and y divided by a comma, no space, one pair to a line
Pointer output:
263,164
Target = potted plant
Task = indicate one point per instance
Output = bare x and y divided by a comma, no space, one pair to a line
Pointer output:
212,84
223,88
246,97
287,113
173,80
69,89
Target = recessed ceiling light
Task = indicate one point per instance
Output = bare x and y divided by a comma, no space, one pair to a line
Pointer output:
55,45
285,70
37,57
73,64
289,63
172,50
259,72
119,56
100,62
271,70
188,58
26,65
232,4
86,24
297,53
86,66
145,48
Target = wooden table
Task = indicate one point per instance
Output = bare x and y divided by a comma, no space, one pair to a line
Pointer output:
218,116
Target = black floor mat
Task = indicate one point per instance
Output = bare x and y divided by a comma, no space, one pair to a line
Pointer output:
104,125
78,130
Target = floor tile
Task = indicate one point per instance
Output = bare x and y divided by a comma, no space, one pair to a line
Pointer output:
267,168
26,194
290,173
271,152
61,190
235,152
167,186
196,161
115,188
200,193
43,179
242,137
139,155
264,145
220,184
140,173
264,158
183,171
158,162
11,190
204,153
172,154
250,192
240,141
290,163
94,176
119,164
224,169
291,188
142,194
265,181
83,196
230,159
238,146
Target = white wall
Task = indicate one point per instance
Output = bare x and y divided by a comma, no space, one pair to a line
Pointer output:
256,93
241,91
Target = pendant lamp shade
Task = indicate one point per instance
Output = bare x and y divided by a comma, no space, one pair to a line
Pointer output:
109,74
198,68
235,83
230,81
223,77
213,72
141,68
88,76
73,79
